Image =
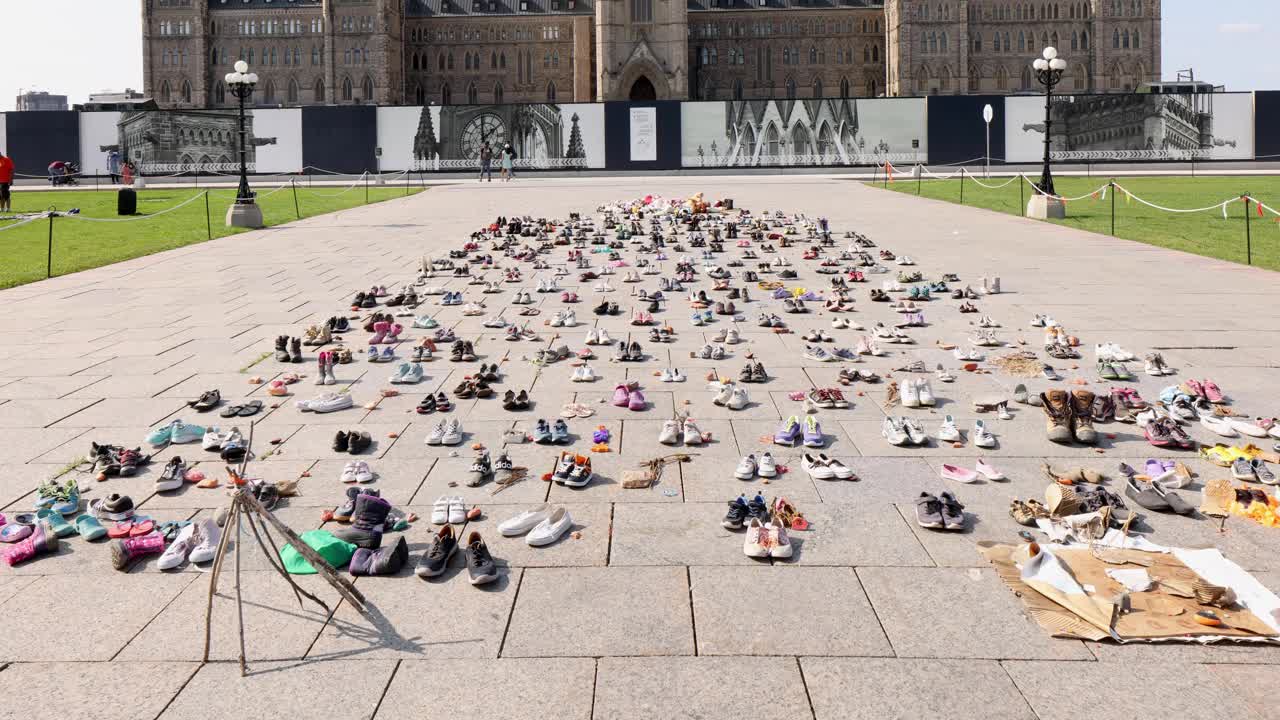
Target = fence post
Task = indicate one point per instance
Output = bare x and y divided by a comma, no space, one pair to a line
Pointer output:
1112,186
208,223
366,187
919,177
1022,192
961,184
1248,233
48,270
296,210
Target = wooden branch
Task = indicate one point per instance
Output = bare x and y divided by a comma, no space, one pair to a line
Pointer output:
274,553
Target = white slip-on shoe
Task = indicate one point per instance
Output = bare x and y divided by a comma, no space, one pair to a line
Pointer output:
817,469
915,431
1218,425
756,543
209,536
925,393
525,521
550,529
987,471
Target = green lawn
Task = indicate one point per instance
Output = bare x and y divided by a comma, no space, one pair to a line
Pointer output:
83,244
1203,233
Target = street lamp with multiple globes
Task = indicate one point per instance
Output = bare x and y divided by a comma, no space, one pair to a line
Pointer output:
244,212
1049,68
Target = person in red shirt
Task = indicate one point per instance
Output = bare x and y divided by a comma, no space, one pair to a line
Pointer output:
6,179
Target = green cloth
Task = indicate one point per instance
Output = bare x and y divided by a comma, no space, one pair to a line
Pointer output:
336,552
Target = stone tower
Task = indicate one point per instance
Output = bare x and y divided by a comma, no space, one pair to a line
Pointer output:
642,49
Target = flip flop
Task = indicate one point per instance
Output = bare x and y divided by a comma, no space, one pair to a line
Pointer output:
249,409
120,529
142,527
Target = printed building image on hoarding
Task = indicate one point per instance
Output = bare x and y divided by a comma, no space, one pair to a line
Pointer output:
173,141
450,137
833,131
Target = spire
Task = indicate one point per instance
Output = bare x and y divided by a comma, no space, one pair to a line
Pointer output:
425,145
576,150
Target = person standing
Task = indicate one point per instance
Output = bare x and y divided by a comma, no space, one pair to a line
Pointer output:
486,162
113,166
508,162
6,179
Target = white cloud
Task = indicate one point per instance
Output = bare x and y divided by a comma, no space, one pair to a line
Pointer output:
1239,28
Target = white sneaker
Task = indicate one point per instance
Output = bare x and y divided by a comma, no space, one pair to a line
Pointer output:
692,433
910,395
588,373
457,511
570,319
362,472
670,433
525,521
893,432
767,467
176,553
915,432
817,469
982,437
551,528
436,435
209,536
676,376
756,543
947,431
452,433
440,511
738,398
348,474
723,395
732,337
665,376
925,393
746,468
602,338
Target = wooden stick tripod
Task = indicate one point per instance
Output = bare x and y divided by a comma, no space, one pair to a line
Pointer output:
246,508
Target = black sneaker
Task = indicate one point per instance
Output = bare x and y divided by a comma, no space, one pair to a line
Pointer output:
737,513
341,441
358,442
758,509
480,565
434,560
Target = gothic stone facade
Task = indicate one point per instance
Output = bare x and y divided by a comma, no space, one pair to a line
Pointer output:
452,52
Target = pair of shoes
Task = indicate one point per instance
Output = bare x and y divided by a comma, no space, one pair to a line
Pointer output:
628,395
541,526
481,568
513,400
741,511
598,336
407,373
821,467
572,470
1069,416
674,431
628,352
809,432
583,373
353,442
671,375
753,372
965,475
446,432
945,513
917,393
731,396
356,471
545,433
766,540
900,431
433,403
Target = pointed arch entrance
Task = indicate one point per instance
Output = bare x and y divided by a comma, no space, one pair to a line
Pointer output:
642,89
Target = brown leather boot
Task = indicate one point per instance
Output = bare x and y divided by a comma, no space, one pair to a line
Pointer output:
1057,412
1082,416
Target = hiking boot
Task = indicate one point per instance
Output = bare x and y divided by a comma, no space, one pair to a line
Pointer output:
295,350
124,552
436,558
1082,410
282,348
384,561
366,522
41,540
480,565
1057,412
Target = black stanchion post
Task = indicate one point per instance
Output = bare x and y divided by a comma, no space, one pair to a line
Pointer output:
919,177
48,270
1112,185
1022,194
208,223
961,185
1248,231
366,187
296,210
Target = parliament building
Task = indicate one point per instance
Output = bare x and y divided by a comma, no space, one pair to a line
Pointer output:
459,52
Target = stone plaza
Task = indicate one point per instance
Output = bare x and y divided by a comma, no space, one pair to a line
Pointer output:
649,609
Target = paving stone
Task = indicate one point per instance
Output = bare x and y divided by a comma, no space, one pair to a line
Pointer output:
855,535
955,613
29,687
1139,690
272,689
637,611
679,534
524,689
884,688
695,688
770,611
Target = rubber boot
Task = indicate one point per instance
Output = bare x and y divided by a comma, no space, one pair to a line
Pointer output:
366,522
41,540
124,552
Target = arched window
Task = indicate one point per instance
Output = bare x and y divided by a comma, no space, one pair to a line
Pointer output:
292,93
414,62
737,89
419,95
366,89
944,38
450,61
1007,45
164,91
213,57
497,94
555,59
493,60
219,94
791,88
844,87
551,91
269,92
1022,42
466,61
813,56
817,87
1084,39
875,53
1075,40
1125,40
1137,40
1026,77
472,95
446,97
186,91
441,62
319,90
346,89
1115,39
502,61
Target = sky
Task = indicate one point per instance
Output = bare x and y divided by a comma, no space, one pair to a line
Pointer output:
76,47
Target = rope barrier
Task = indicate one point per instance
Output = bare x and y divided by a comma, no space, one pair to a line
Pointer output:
188,201
350,187
24,221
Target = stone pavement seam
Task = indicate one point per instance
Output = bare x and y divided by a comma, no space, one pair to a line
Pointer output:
510,613
86,407
693,618
903,514
1021,694
390,679
147,624
181,687
804,683
879,621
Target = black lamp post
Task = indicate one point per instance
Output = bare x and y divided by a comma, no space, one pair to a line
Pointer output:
241,83
1049,68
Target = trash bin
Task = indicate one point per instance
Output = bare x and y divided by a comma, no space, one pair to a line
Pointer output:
126,202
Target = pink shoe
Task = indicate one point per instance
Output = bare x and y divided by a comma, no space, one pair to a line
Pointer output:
959,474
124,552
621,398
987,471
41,540
393,333
1195,387
379,332
1212,392
636,401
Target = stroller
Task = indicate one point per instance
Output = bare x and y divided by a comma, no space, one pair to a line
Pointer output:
63,173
